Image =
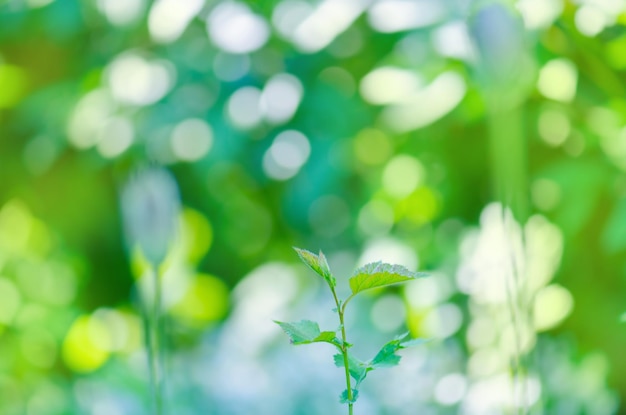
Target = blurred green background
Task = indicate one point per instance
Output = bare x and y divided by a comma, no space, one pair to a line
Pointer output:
390,130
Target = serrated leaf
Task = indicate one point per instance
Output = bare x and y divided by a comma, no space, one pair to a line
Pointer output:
343,398
387,356
380,274
358,369
306,331
318,264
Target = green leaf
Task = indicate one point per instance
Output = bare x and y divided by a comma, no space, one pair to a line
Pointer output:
318,264
343,398
357,368
379,274
306,331
387,356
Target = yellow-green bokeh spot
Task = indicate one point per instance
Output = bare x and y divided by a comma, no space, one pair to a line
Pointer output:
82,350
139,265
20,232
206,301
421,206
615,52
415,322
372,147
197,234
12,85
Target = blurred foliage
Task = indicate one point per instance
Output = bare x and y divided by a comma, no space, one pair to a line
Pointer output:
370,129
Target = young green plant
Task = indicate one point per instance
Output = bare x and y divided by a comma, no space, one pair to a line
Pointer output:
373,275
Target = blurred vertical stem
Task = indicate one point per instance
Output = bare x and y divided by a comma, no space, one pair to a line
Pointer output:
505,70
151,207
154,343
508,153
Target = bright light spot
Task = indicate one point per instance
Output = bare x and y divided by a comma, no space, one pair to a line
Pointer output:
614,145
134,80
372,146
376,218
16,226
206,300
486,361
388,313
453,40
489,257
544,248
389,16
288,15
539,14
427,105
11,301
168,19
428,292
82,350
325,23
191,139
90,114
421,206
329,215
442,321
494,393
590,20
196,234
557,80
545,194
261,295
13,83
115,136
117,329
554,127
391,251
121,12
287,154
244,107
552,305
388,84
516,339
402,175
230,67
450,389
234,28
480,333
281,97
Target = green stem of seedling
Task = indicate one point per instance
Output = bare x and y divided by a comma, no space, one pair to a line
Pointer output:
344,349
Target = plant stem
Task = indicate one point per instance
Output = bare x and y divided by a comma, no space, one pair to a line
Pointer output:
344,350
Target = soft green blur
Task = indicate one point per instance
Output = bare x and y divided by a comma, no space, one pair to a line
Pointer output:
483,141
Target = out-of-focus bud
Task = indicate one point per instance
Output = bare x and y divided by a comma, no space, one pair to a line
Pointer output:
150,208
504,65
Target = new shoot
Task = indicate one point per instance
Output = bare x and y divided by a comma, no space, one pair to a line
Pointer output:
373,275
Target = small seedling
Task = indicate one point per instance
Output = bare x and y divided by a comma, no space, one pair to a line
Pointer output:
373,275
